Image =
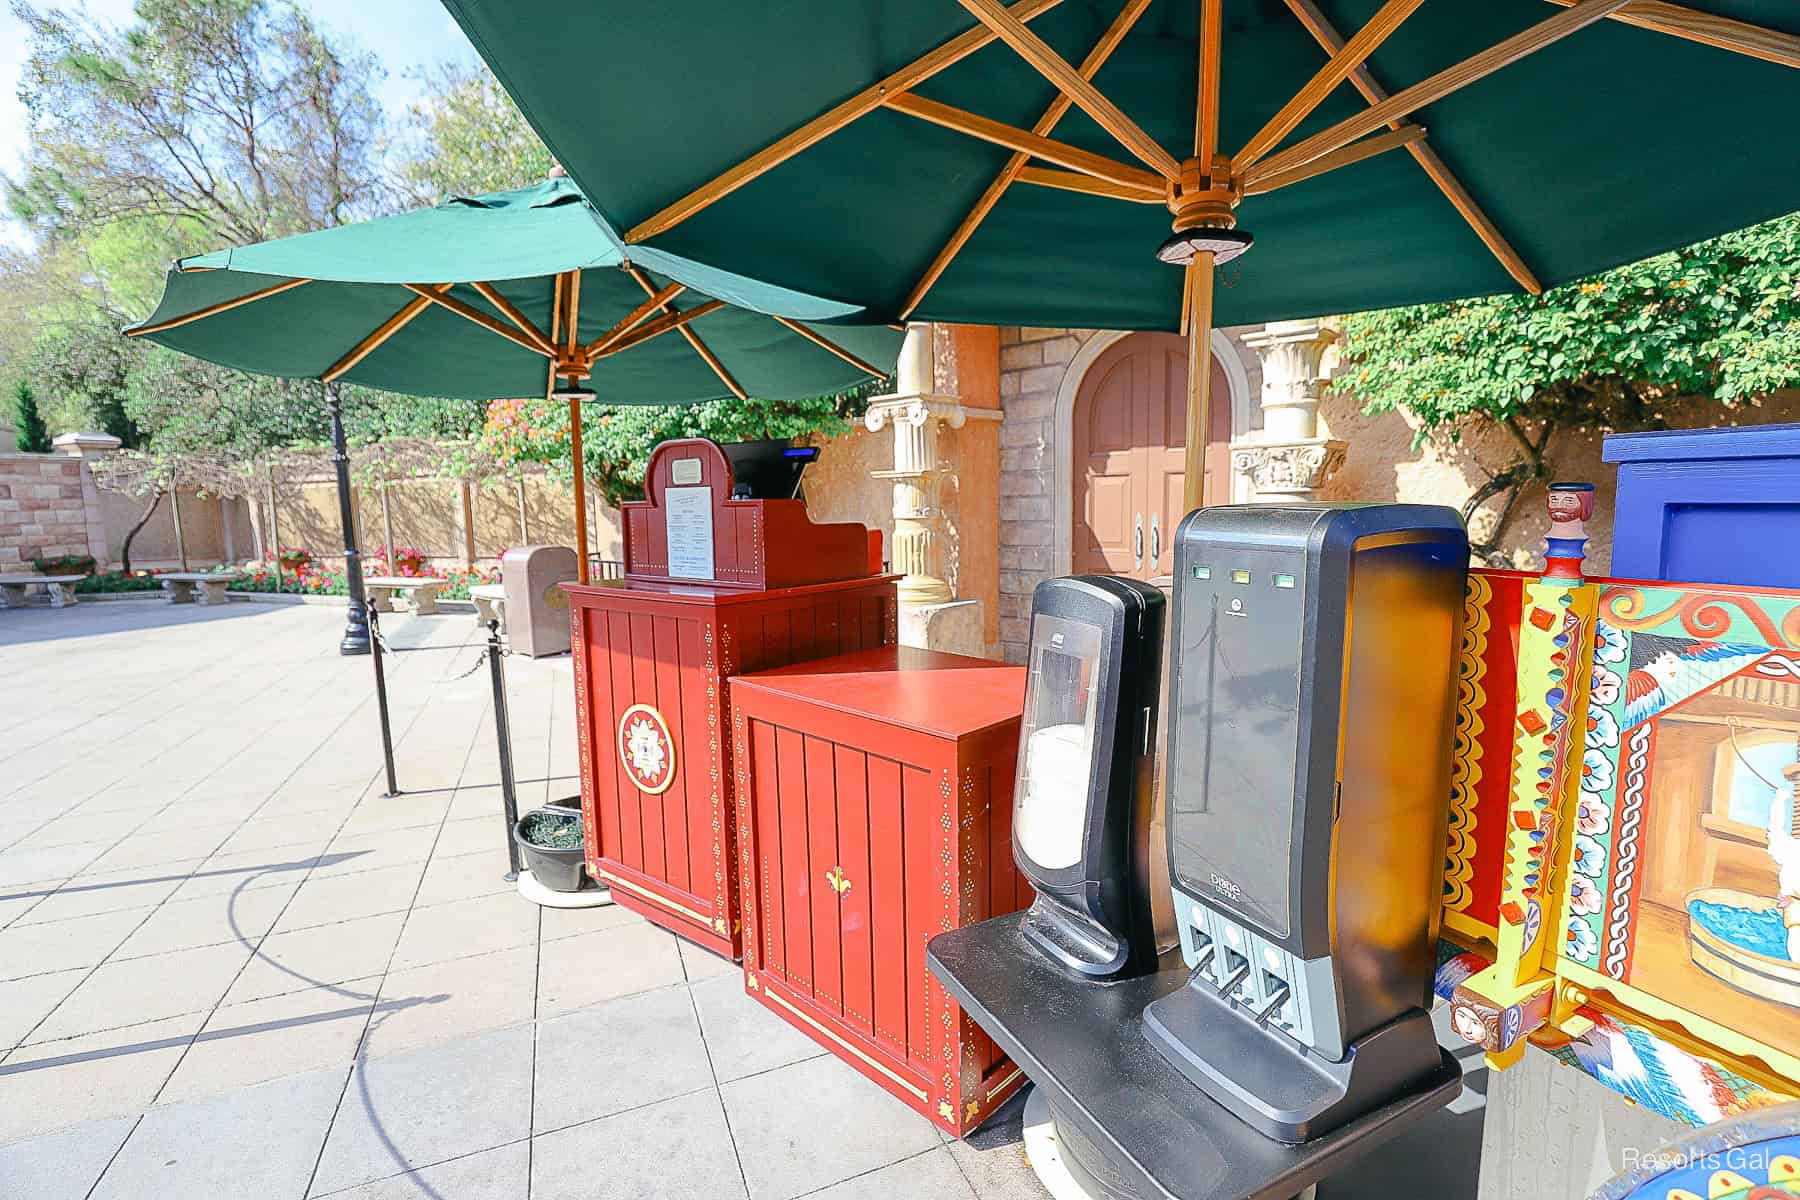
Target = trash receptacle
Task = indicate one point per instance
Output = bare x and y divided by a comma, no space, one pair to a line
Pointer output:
537,608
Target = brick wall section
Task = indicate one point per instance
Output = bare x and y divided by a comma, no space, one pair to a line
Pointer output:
41,509
1032,365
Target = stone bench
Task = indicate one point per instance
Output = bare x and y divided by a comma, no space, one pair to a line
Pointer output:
490,604
61,588
422,593
196,587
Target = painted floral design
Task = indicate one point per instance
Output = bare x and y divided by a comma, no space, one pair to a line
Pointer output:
1579,941
1591,815
1609,643
1584,895
1604,686
1602,727
644,745
1590,856
1596,771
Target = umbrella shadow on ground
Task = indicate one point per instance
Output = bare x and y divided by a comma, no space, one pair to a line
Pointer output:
303,864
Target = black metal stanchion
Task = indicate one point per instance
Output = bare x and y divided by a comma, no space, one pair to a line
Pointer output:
503,735
356,632
387,730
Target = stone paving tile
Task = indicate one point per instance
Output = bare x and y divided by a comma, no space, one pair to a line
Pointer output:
62,1166
473,834
51,864
149,850
245,870
241,917
464,876
78,942
464,927
249,1043
145,989
815,1123
699,963
620,1055
326,954
498,1174
25,1002
325,901
367,851
261,831
411,1110
993,1157
560,923
578,971
929,1176
678,1148
108,1074
405,811
450,999
743,1037
85,895
254,1142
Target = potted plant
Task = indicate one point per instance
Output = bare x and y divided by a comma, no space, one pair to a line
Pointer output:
550,841
293,558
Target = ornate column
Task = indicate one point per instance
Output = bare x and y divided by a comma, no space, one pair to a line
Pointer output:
1287,459
930,614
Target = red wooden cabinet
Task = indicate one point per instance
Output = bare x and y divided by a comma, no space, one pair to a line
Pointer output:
875,812
654,727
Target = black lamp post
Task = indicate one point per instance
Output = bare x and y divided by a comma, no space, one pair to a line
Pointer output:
356,623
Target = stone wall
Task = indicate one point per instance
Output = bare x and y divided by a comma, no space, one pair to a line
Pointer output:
42,511
1033,363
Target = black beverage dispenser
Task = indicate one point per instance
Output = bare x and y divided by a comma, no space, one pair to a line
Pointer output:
1312,703
1081,817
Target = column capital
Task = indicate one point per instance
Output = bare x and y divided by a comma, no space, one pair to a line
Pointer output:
83,444
1287,470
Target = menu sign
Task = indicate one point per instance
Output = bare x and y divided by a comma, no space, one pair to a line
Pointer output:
688,514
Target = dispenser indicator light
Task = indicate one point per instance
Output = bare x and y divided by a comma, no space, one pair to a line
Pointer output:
1201,572
1239,575
1284,581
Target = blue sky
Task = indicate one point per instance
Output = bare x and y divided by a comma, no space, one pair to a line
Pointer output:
404,35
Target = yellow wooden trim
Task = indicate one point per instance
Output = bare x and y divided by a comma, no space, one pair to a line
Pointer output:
655,898
860,1053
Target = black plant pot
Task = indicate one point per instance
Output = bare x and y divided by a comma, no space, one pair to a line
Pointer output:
558,870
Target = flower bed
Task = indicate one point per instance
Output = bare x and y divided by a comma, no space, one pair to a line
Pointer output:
317,579
113,582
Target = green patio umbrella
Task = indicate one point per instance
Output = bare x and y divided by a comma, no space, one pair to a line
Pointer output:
1023,163
513,294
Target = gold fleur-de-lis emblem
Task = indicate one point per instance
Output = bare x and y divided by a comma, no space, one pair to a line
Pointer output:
840,883
945,1111
970,1109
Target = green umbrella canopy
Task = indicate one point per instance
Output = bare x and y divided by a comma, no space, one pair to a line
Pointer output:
471,299
1620,136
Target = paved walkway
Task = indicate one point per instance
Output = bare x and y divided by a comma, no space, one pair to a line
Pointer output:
230,968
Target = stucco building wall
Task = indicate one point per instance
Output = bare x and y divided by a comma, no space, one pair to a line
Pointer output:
1381,463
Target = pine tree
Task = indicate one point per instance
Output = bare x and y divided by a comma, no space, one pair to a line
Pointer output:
28,423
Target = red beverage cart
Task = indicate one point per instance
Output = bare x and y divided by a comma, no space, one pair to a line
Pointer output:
713,587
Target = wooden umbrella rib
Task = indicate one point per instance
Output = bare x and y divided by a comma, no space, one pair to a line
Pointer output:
492,295
382,333
661,326
1320,27
1074,181
1206,107
825,343
1090,66
1061,153
1090,99
1259,182
212,310
693,339
829,122
572,327
1451,79
633,319
1709,29
439,294
1336,69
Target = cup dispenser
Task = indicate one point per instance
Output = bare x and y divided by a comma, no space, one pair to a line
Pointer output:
1081,816
1312,704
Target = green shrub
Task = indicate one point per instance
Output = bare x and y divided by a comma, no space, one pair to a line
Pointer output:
110,582
65,564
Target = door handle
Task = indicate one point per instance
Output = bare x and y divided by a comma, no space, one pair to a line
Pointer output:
1155,538
1137,543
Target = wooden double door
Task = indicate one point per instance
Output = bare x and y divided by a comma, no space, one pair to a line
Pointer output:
1129,446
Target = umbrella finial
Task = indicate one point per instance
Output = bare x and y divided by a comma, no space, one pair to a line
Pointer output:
557,170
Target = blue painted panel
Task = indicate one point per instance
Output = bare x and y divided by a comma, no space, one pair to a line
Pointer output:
1708,506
